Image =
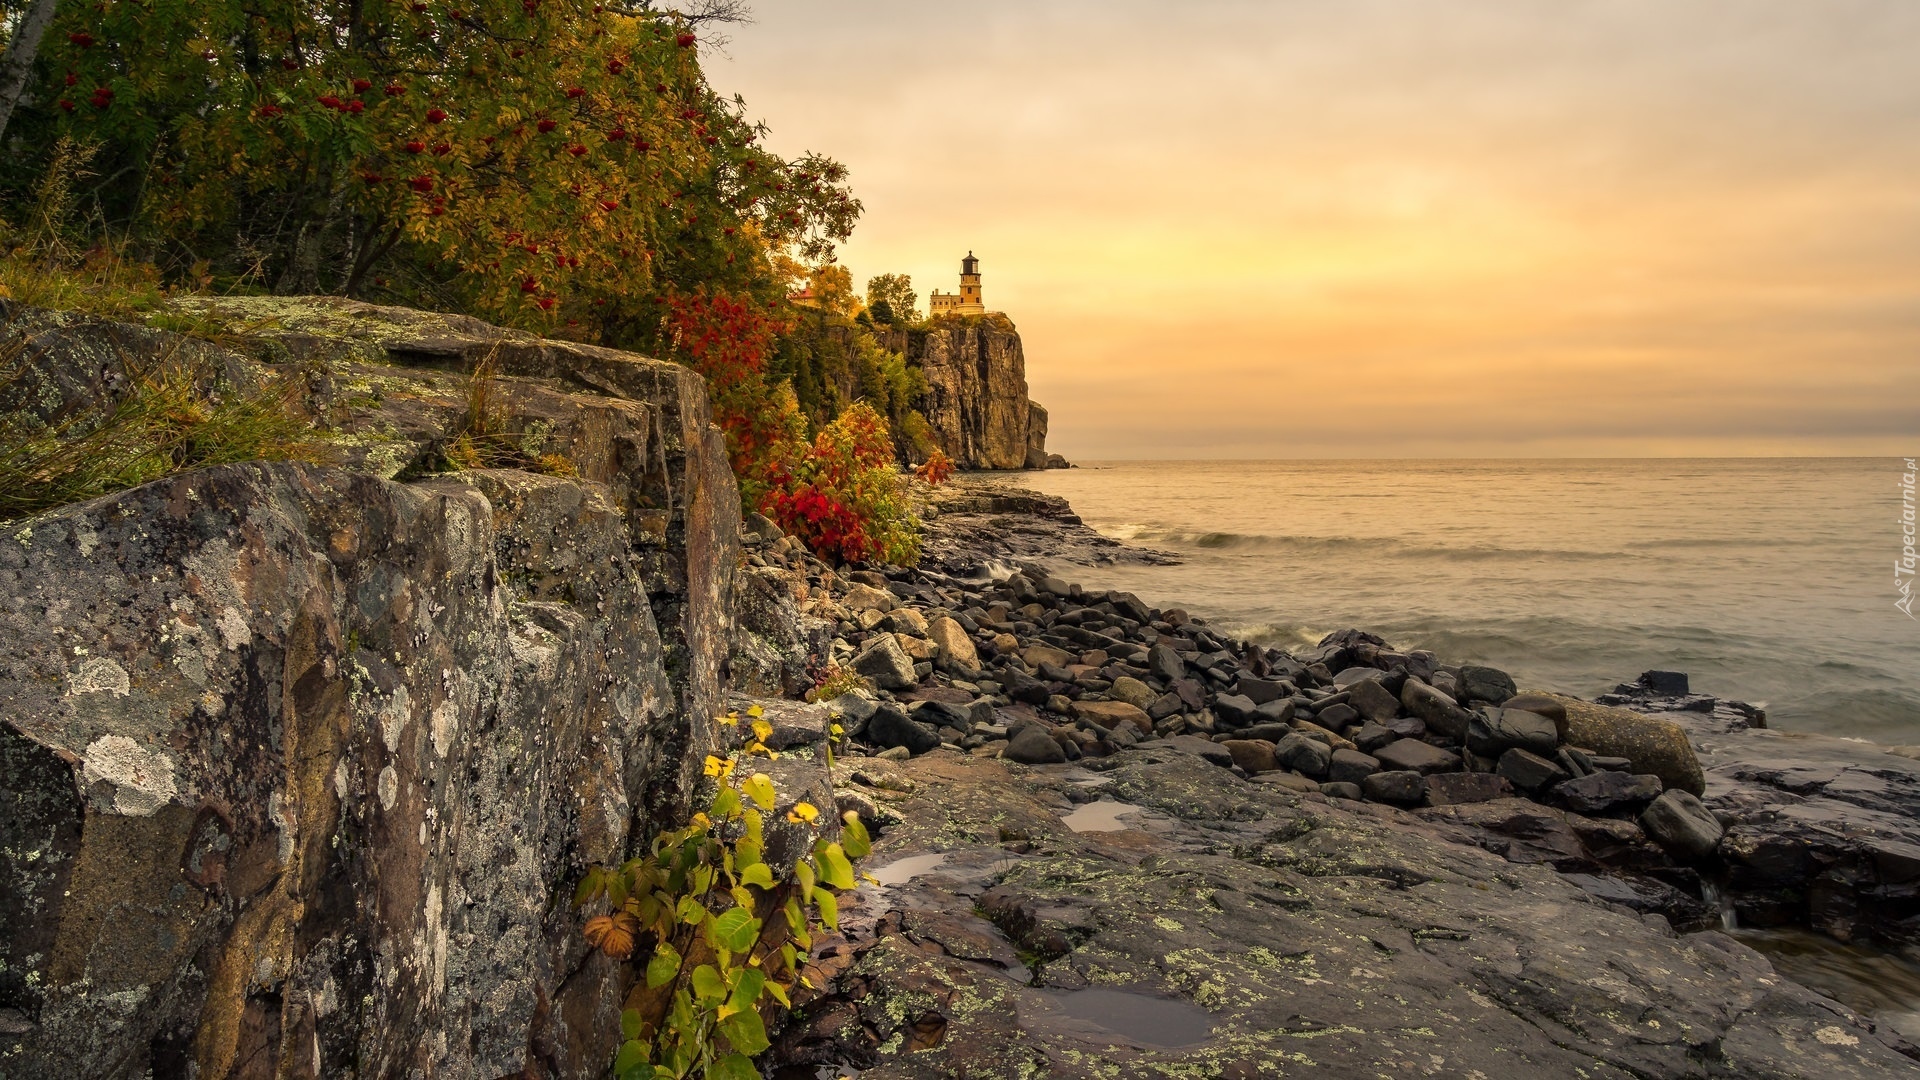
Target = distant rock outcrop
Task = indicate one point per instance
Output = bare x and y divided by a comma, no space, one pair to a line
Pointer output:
976,401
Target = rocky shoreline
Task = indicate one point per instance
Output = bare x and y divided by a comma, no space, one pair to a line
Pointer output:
299,759
1610,839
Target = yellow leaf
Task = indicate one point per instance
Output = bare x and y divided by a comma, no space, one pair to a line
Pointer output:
804,812
756,712
762,730
759,788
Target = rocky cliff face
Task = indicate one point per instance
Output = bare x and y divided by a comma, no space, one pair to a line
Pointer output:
298,760
976,400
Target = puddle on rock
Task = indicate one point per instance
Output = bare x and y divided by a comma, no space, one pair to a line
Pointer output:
1101,816
1117,1016
901,871
1881,985
1085,779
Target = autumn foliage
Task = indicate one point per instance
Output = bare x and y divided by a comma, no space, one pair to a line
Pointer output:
552,164
841,492
555,165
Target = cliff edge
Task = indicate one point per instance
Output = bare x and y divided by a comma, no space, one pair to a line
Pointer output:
976,401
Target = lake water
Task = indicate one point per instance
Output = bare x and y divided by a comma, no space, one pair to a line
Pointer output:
1767,580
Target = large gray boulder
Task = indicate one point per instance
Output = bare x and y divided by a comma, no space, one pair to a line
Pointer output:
885,664
305,754
1680,824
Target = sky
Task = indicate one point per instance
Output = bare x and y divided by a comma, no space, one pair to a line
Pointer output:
1387,228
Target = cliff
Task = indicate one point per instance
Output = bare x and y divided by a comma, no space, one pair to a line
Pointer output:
976,401
300,760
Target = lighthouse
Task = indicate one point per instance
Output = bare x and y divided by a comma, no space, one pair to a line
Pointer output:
968,300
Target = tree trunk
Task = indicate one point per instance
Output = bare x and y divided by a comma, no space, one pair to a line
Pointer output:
17,65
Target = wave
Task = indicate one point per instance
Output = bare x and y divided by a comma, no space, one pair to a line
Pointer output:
1229,541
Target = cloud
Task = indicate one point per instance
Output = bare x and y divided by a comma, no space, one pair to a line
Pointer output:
1306,226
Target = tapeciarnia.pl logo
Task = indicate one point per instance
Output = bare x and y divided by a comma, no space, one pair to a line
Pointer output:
1903,567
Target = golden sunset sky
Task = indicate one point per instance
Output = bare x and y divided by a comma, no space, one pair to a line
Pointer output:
1378,228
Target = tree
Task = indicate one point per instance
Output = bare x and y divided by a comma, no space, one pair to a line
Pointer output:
832,288
896,291
547,163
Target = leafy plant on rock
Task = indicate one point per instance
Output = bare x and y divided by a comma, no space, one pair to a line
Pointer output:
721,932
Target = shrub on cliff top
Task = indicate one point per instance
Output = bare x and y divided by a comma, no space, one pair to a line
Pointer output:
551,164
844,497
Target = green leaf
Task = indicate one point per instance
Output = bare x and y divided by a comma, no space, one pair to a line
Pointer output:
590,886
690,910
779,993
759,788
758,874
663,967
630,1024
707,984
853,834
725,805
803,873
753,821
733,1067
745,1032
746,991
746,853
633,1055
736,929
835,870
829,908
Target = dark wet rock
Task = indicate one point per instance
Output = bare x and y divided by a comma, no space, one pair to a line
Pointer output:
1517,830
1606,792
1235,711
1416,756
1664,683
1342,790
1546,705
1033,745
1351,766
1303,755
1165,664
1400,788
891,727
1373,701
1490,685
1371,737
1436,710
1337,716
1260,691
1410,727
1530,772
1446,789
1025,688
1493,732
1680,824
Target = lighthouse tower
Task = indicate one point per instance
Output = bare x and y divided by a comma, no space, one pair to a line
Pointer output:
968,300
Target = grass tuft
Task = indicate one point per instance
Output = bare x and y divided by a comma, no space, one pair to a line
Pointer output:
174,413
